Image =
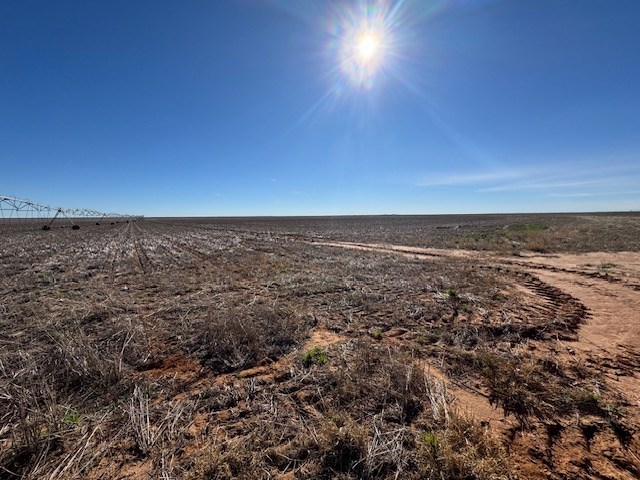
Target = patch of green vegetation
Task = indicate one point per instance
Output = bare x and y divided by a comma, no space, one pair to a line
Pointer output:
451,293
426,338
430,439
72,418
377,334
315,356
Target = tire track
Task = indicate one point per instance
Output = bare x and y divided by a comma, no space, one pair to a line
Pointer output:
597,275
204,259
602,309
117,251
566,310
143,259
559,305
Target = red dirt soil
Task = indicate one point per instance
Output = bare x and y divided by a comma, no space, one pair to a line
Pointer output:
610,340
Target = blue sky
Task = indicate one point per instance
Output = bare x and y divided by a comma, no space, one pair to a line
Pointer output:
252,107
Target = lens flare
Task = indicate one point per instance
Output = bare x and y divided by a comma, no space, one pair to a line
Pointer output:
367,47
364,42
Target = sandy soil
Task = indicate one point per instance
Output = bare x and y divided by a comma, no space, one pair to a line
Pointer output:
607,284
611,297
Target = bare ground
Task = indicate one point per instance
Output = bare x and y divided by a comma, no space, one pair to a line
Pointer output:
149,350
609,340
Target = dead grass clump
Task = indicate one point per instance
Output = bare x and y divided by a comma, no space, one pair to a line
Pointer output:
220,397
348,449
384,417
461,448
375,379
35,422
124,340
522,387
526,387
76,366
366,413
342,445
47,387
156,426
234,460
41,415
241,337
539,242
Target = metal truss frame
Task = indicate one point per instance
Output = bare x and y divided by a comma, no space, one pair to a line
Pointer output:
14,209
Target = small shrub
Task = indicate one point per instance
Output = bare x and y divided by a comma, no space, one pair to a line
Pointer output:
538,245
343,447
451,293
72,418
241,338
462,449
314,356
430,439
375,380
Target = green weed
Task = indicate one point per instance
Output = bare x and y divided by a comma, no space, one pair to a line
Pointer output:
315,356
72,418
451,293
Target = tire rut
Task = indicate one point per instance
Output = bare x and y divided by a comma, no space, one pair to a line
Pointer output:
596,275
599,311
557,304
143,259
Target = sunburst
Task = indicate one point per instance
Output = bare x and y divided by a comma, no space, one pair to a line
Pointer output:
368,48
364,44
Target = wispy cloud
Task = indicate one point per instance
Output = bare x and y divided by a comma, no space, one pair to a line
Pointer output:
572,195
594,194
469,178
543,185
561,179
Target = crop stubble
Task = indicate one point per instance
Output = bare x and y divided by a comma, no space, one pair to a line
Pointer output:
174,349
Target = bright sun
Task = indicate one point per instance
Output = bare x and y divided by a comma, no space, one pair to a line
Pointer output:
367,47
363,54
366,43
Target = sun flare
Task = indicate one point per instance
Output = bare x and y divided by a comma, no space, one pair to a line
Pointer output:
366,42
367,47
363,54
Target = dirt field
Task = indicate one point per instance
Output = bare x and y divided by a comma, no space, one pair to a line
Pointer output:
462,347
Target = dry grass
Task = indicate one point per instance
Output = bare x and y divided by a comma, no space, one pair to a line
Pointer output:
244,336
380,430
178,351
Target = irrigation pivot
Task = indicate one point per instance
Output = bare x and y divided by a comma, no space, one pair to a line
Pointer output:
19,210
